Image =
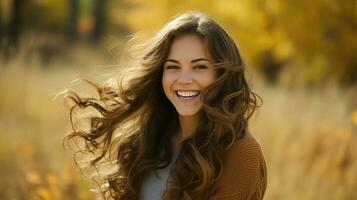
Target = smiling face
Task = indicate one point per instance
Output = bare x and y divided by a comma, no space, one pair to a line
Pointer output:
188,69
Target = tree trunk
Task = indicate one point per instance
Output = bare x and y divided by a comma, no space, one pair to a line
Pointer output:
72,20
12,30
15,23
99,20
1,28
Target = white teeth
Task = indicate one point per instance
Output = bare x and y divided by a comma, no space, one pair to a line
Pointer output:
187,94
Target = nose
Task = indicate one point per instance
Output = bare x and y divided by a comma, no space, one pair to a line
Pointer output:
185,78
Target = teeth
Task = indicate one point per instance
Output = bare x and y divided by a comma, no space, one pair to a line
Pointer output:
187,94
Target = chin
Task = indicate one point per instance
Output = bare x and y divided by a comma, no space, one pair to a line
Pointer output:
187,112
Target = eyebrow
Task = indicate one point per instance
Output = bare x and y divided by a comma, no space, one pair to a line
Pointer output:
192,61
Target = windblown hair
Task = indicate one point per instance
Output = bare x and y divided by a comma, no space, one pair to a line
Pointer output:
136,122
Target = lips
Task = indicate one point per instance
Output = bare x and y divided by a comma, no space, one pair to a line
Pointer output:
187,95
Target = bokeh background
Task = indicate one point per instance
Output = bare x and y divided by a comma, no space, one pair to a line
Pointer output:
301,58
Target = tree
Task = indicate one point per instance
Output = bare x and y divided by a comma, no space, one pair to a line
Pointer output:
72,20
1,28
99,20
12,29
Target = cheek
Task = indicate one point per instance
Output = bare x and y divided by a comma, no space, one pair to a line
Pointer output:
166,82
207,79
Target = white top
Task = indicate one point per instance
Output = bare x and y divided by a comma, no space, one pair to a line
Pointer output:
155,184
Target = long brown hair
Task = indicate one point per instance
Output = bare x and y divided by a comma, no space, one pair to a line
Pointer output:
131,134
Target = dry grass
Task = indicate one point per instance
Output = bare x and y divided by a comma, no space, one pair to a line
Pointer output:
308,137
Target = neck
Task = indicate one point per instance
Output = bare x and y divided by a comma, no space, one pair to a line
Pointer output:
188,125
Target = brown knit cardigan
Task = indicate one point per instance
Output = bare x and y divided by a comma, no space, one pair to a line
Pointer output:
244,172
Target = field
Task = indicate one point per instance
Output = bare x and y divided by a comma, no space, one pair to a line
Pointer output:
309,136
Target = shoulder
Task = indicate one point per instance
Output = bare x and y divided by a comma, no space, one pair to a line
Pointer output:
244,170
246,151
244,157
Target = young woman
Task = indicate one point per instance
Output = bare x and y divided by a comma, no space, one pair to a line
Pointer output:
178,128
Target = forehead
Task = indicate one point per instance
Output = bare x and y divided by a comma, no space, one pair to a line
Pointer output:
188,46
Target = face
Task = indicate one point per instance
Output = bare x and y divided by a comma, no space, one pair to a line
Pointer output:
188,70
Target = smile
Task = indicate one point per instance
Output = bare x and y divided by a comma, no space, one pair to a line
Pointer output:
187,94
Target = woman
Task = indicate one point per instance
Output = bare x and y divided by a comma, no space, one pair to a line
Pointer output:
178,129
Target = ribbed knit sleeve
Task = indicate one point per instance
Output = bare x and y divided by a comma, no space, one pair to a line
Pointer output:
244,172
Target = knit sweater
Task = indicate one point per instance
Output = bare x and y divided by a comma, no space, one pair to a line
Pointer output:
244,174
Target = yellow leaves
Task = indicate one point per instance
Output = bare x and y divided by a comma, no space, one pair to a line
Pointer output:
25,148
344,134
152,15
242,13
284,49
32,177
32,174
273,6
52,184
54,11
44,193
354,117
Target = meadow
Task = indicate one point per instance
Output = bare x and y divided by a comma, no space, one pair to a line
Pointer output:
308,136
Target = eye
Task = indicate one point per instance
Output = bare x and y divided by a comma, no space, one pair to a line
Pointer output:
200,67
171,67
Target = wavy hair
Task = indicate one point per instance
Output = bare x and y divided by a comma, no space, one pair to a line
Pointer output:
131,134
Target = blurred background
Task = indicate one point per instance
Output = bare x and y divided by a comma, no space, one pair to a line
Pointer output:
301,58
